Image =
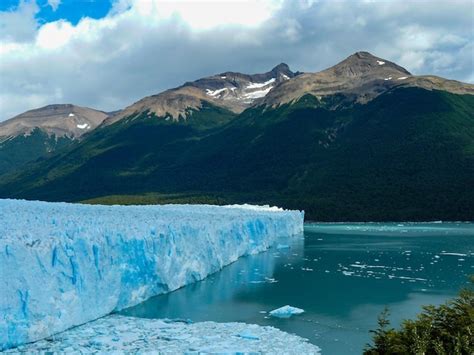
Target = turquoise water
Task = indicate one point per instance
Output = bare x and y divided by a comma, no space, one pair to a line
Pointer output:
342,275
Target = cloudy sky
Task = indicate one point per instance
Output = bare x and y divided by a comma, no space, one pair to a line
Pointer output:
106,54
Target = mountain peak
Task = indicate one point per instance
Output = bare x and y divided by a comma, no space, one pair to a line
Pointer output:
282,67
362,55
56,106
364,63
58,119
282,71
360,77
230,90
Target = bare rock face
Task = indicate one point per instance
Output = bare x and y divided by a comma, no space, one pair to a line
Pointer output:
230,90
361,77
61,120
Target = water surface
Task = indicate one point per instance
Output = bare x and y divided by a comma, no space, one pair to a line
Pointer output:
342,275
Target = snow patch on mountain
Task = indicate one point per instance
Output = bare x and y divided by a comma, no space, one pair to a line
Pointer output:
260,85
215,93
257,94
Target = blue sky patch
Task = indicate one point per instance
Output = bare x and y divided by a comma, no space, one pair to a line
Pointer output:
70,10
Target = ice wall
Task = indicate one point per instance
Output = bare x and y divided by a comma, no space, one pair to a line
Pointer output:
63,264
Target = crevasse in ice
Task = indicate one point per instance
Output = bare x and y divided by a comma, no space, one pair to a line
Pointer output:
64,264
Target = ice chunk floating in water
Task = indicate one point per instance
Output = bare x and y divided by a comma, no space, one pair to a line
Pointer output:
62,265
286,311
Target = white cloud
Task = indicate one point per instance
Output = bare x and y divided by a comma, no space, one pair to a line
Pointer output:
292,30
203,14
19,25
54,4
55,34
145,46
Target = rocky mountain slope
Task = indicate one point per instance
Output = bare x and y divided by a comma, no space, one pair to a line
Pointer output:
359,78
232,91
38,133
59,120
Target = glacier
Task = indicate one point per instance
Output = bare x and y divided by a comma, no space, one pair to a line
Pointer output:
63,264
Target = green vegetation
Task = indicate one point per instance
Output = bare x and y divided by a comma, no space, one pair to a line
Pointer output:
16,152
156,199
407,155
447,329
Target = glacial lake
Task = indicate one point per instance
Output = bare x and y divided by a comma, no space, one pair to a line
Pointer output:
342,275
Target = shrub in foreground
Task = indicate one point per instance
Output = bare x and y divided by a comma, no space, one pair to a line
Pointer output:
446,329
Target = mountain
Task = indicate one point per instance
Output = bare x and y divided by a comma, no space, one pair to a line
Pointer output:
358,79
342,144
38,133
232,91
58,120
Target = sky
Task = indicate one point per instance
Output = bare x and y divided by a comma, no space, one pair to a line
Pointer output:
107,54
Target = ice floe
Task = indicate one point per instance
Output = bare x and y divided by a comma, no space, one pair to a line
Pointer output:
454,254
286,311
119,334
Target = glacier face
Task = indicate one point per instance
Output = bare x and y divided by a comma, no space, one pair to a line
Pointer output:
62,265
